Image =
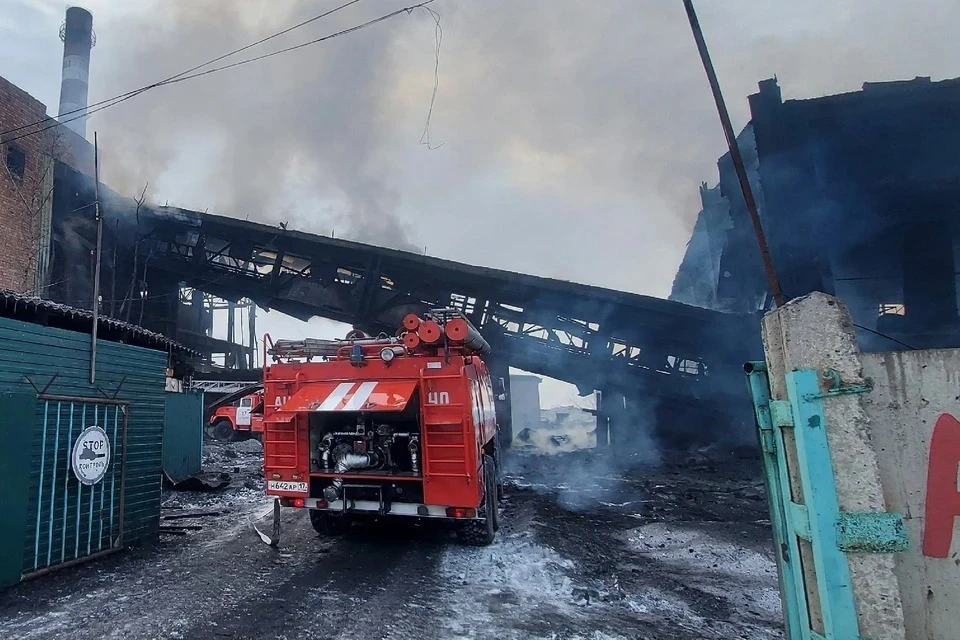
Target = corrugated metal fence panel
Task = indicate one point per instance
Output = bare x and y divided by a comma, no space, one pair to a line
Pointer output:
69,520
144,387
18,412
183,435
61,359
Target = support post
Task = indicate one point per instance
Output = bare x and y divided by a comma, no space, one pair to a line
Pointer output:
232,357
252,326
735,155
603,420
96,262
814,333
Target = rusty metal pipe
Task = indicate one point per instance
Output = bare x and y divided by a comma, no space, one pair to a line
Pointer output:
735,155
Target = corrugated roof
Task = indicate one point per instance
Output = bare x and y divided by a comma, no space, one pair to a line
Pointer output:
21,306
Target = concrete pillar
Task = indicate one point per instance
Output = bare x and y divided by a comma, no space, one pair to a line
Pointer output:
816,332
603,421
232,357
252,328
615,408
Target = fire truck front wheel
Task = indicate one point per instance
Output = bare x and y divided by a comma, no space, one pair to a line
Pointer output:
481,533
223,430
327,524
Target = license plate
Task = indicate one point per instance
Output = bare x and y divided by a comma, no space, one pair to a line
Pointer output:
282,485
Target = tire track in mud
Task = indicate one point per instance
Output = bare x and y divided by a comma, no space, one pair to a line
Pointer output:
372,583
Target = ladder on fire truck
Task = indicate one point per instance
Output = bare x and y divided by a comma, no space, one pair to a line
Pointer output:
280,443
445,428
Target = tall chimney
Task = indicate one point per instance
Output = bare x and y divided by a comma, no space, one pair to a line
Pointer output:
78,38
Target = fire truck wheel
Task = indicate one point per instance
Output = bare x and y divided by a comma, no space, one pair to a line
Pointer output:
223,430
480,533
328,525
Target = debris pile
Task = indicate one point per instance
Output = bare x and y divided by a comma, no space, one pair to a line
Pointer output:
232,476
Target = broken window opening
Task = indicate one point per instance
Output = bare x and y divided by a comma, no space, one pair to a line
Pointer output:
892,310
16,161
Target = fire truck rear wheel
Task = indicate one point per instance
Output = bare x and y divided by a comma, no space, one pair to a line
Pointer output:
481,533
223,430
327,524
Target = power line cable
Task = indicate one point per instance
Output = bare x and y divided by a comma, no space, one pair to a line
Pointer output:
182,78
134,92
425,137
885,336
295,47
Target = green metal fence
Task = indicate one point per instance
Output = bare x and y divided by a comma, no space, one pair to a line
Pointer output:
74,519
182,435
46,402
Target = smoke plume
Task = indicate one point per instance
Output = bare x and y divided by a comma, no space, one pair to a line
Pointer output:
559,120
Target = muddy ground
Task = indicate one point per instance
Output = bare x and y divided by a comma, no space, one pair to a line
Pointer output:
590,548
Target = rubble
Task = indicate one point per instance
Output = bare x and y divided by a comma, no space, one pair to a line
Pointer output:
591,546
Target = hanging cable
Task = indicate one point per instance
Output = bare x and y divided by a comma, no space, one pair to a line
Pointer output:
188,75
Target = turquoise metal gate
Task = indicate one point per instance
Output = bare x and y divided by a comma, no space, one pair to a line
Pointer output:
813,536
79,460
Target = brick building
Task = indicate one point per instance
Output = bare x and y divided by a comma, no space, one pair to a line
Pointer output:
31,143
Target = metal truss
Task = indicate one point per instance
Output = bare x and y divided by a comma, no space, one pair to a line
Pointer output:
218,386
589,336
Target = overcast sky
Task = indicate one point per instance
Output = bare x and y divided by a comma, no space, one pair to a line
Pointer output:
568,137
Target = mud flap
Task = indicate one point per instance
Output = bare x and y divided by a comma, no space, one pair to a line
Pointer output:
273,540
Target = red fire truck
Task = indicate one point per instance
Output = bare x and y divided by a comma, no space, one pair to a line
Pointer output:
366,428
239,420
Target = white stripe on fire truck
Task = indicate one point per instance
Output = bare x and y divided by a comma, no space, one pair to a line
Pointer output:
360,396
335,397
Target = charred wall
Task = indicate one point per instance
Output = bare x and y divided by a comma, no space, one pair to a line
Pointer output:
130,289
859,195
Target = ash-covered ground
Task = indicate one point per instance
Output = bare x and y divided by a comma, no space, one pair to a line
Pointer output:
590,547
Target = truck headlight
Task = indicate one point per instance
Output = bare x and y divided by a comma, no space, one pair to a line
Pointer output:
387,354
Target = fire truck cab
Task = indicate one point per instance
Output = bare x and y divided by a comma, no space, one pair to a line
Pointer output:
240,420
385,427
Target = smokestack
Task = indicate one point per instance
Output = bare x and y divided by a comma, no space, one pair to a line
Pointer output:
78,38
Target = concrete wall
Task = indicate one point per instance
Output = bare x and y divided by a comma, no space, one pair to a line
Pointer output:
895,448
913,411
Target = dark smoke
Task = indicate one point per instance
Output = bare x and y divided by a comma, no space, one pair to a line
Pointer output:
296,140
574,133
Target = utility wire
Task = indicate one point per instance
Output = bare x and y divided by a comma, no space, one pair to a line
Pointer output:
883,335
425,137
130,94
190,76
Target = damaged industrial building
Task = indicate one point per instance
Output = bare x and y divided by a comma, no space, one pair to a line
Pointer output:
855,192
858,195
